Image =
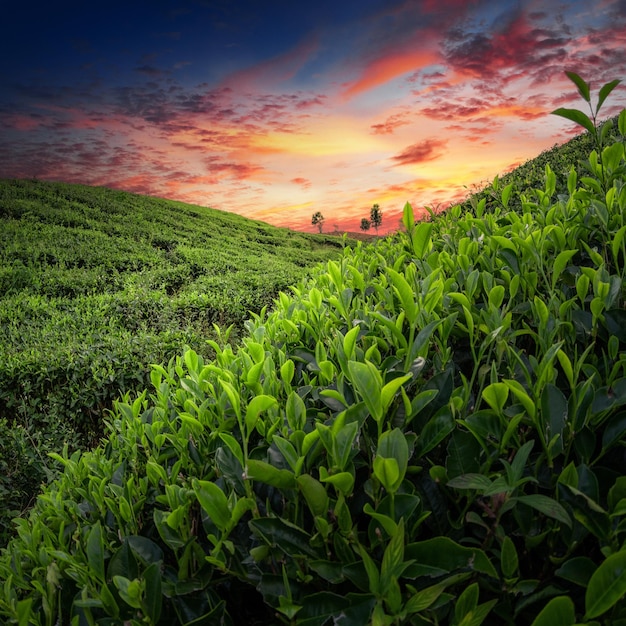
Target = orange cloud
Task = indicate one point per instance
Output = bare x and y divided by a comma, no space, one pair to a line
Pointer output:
386,68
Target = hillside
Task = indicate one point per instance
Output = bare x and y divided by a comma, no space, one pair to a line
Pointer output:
428,430
96,284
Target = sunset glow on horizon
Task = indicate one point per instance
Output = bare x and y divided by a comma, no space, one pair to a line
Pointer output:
275,111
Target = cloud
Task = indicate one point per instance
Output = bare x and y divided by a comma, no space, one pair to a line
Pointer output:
305,183
389,126
427,150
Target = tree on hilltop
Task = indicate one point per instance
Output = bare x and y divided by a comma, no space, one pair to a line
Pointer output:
365,224
318,220
376,217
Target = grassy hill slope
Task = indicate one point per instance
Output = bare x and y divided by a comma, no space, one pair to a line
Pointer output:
430,430
96,284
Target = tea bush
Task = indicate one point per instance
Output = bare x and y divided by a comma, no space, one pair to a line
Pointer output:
426,431
97,284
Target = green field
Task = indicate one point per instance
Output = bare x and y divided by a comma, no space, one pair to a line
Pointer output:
96,284
425,430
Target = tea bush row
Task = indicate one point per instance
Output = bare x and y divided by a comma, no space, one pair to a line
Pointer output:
97,284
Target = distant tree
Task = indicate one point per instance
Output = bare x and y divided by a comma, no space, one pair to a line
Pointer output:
318,220
365,224
376,217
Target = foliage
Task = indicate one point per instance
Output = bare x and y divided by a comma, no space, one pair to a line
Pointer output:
95,285
426,431
376,217
365,224
318,220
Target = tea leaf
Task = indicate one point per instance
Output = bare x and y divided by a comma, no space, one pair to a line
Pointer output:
213,500
606,586
559,610
314,494
560,263
257,405
508,558
576,116
368,382
547,506
270,475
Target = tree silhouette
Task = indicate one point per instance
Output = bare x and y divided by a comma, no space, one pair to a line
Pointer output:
365,224
376,217
318,220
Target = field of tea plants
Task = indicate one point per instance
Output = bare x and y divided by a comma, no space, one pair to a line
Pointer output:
95,285
427,430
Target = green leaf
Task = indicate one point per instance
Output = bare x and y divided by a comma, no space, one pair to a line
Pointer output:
343,481
583,86
496,396
618,240
393,562
576,116
153,598
387,472
559,610
435,431
405,294
373,574
577,570
270,475
466,603
408,218
213,500
95,550
605,90
314,493
547,506
233,446
392,444
421,239
442,555
368,382
257,405
509,561
606,586
129,590
282,534
389,391
147,550
496,296
506,194
560,263
349,342
479,482
385,521
521,394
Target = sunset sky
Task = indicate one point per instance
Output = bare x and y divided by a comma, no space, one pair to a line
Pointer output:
278,109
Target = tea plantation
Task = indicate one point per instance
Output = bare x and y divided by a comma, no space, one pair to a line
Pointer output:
95,285
427,430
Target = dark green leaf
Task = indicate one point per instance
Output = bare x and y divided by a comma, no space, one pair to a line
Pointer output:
547,506
153,598
288,537
606,586
559,610
213,500
576,116
582,85
605,90
577,570
148,551
441,555
95,550
270,475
